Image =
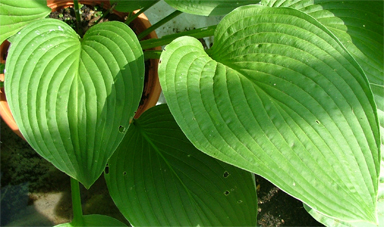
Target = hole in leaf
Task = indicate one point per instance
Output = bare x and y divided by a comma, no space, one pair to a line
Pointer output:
121,129
226,193
226,174
106,170
124,173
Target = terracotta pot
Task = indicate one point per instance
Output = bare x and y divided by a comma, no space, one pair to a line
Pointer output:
152,87
5,112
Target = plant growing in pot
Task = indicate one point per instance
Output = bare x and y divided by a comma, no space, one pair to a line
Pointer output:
138,22
82,90
290,90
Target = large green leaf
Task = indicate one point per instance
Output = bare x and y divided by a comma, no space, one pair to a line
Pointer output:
208,7
280,96
72,98
337,223
328,221
130,6
157,178
14,15
358,24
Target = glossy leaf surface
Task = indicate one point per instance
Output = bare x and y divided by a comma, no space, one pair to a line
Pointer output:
327,221
359,26
208,7
158,178
72,98
280,96
14,15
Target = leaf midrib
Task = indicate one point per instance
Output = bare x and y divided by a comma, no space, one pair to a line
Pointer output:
142,132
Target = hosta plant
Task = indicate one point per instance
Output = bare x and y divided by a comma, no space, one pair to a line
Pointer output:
290,90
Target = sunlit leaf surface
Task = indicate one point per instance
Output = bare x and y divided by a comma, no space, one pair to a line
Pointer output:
72,98
279,95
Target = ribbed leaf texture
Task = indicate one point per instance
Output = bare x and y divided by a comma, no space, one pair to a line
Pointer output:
14,15
158,178
279,95
328,221
72,98
359,26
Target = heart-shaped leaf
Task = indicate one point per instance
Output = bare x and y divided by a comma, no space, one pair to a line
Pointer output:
208,7
14,15
72,98
280,96
158,178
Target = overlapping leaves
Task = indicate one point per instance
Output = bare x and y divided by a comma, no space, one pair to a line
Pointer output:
280,96
358,24
360,27
14,15
158,178
72,98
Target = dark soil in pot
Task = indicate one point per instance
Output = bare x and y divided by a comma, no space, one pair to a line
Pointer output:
89,16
